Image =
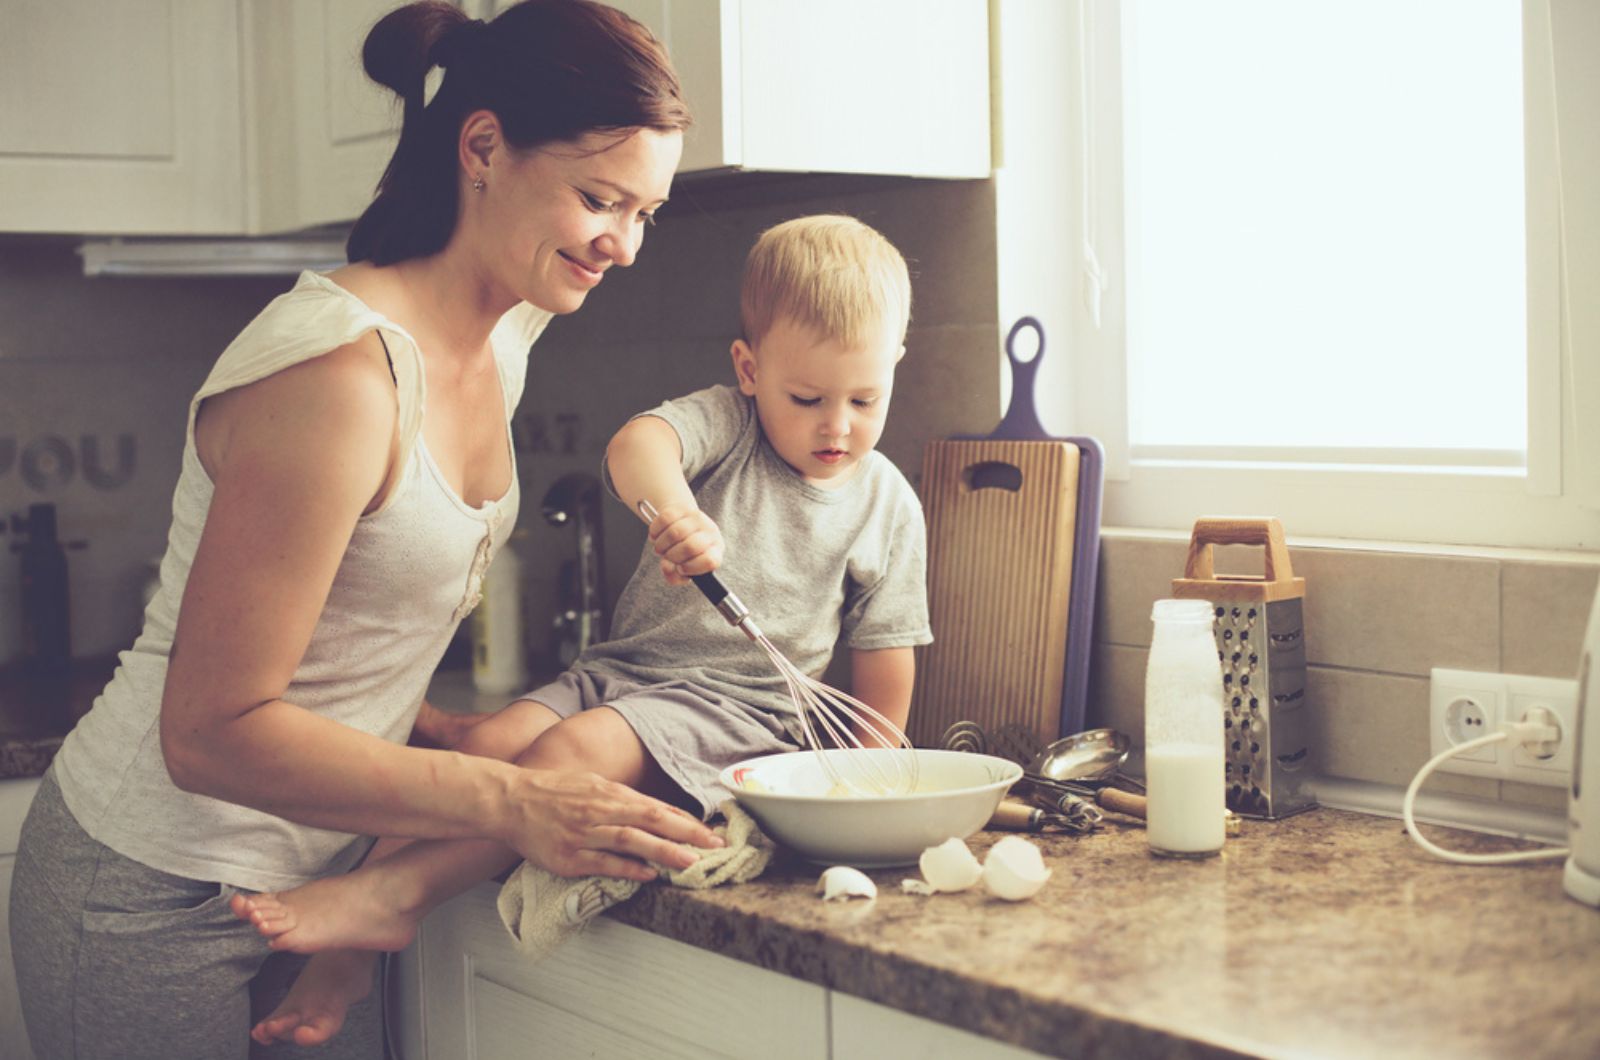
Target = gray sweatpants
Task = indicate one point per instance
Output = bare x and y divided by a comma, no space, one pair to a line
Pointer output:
116,960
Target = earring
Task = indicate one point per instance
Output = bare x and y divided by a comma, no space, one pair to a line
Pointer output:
477,184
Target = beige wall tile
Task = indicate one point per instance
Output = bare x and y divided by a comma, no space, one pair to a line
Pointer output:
1116,690
1374,727
1400,614
1134,573
1544,609
1368,726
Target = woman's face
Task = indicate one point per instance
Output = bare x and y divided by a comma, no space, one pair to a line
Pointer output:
553,219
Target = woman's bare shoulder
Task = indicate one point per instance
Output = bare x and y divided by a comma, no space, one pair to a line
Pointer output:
341,402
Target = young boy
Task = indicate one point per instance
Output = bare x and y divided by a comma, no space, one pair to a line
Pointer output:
776,482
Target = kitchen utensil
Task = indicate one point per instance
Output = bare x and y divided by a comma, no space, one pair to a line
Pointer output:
829,718
1085,765
1076,817
1065,771
797,803
1260,636
1581,877
1013,545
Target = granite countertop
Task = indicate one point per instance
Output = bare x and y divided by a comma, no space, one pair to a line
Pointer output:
36,713
1328,934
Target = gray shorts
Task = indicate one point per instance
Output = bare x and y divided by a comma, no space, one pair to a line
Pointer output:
691,733
119,961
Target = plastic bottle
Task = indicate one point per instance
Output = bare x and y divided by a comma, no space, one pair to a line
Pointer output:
46,625
1183,732
499,655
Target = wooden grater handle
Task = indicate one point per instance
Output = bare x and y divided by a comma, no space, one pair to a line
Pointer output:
1237,530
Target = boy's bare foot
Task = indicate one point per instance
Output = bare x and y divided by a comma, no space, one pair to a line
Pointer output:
354,911
442,729
315,1007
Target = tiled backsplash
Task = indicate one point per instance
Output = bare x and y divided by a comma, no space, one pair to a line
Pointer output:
107,364
1376,623
95,380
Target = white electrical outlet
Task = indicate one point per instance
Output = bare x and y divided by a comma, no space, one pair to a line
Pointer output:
1463,704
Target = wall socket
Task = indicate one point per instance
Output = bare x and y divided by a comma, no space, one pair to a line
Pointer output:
1463,704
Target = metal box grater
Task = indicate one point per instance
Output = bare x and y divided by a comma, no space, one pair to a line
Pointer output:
1260,630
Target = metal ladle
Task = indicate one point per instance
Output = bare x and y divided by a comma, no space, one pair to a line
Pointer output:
1085,764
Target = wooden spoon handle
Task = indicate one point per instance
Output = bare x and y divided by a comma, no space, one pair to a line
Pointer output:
1014,815
1119,801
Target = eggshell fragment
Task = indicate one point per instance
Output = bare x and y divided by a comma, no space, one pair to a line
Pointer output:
1014,869
917,887
949,866
842,881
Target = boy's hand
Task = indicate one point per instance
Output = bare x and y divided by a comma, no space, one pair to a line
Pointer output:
687,541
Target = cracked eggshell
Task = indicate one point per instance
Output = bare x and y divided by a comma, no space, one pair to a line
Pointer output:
842,881
1014,869
950,866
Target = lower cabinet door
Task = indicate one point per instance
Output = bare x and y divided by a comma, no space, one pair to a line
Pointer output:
611,990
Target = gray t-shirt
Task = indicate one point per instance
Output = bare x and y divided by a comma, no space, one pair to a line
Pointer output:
809,563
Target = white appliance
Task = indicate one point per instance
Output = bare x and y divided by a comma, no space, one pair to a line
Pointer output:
1582,875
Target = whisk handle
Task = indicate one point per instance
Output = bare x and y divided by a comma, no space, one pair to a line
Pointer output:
711,586
728,605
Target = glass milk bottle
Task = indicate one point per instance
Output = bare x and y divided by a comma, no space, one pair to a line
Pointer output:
1183,750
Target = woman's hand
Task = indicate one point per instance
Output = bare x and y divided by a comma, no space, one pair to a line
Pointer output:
688,542
579,824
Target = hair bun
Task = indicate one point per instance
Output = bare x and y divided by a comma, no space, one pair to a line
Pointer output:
461,42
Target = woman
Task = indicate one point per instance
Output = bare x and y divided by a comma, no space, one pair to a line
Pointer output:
347,477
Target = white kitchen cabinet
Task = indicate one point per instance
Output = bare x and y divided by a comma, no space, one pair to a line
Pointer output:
895,87
865,1030
612,990
120,118
615,990
246,117
15,797
321,130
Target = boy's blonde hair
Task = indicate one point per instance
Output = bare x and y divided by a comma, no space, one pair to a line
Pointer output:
828,272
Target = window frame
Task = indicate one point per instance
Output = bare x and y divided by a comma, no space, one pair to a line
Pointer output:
1474,499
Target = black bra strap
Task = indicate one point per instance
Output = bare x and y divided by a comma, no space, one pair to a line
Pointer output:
388,358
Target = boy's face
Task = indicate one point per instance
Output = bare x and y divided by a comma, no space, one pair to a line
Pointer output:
822,405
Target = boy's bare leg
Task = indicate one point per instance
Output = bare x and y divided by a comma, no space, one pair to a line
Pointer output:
378,906
335,978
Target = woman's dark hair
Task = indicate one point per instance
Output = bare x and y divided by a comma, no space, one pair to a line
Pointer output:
550,70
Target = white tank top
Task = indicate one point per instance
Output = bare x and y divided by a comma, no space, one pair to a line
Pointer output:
412,571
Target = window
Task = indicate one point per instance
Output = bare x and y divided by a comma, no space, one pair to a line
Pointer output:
1325,239
1313,262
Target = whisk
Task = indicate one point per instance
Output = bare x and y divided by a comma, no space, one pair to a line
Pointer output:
885,763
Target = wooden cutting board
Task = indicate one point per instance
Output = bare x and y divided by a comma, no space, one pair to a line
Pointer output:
1001,520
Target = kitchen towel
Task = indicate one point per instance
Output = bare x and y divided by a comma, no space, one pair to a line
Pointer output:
541,910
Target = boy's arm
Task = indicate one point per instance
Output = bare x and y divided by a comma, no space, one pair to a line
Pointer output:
882,680
645,462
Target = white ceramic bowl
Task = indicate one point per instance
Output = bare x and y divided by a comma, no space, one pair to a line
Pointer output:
955,795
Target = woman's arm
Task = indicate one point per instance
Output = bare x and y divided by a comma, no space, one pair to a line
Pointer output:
295,459
882,679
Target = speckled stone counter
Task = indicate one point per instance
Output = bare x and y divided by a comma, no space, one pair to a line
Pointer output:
1329,934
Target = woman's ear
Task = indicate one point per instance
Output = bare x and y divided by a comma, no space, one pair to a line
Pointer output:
744,367
480,136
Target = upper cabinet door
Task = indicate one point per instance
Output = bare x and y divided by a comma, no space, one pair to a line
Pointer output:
121,118
321,129
895,87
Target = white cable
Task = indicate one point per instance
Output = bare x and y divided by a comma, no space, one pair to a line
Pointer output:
1527,732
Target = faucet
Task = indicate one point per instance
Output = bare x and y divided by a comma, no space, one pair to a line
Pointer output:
581,620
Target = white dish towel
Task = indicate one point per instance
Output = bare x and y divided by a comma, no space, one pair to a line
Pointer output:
542,910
